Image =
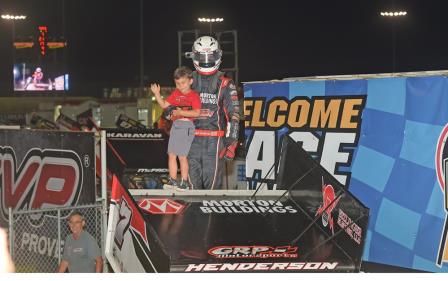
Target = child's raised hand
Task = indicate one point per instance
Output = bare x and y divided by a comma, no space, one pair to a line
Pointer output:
155,88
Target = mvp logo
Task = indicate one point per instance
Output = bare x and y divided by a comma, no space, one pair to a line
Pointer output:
45,178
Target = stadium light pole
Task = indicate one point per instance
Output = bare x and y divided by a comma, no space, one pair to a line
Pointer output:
142,70
13,19
394,16
210,21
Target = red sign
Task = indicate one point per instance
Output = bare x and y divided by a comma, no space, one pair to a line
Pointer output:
45,178
42,30
161,206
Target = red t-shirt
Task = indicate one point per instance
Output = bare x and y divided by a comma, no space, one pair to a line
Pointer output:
188,101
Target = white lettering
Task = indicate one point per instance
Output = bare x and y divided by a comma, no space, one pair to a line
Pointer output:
329,265
229,266
262,203
222,251
279,265
210,203
261,152
245,266
194,267
144,170
261,156
208,98
351,228
279,210
295,266
42,245
331,155
312,265
262,266
25,239
33,243
310,142
239,203
205,210
211,267
291,209
246,206
241,250
226,203
134,135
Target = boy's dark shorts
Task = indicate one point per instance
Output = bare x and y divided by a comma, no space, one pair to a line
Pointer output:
181,137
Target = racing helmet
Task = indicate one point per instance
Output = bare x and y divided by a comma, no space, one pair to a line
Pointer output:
206,55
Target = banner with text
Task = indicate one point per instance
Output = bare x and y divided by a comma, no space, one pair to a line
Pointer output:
43,170
382,138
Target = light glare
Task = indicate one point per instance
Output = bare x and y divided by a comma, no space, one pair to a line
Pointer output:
210,19
13,17
393,14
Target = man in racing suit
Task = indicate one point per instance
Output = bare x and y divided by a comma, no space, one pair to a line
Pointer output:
216,135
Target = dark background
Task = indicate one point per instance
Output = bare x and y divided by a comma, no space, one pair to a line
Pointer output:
276,39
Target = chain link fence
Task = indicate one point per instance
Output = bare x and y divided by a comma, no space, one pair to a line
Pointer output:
37,236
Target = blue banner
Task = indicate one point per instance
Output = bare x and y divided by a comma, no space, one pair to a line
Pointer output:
383,138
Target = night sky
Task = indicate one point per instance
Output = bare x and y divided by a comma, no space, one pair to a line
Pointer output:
276,39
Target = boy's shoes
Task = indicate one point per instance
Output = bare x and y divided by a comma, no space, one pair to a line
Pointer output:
184,185
172,183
